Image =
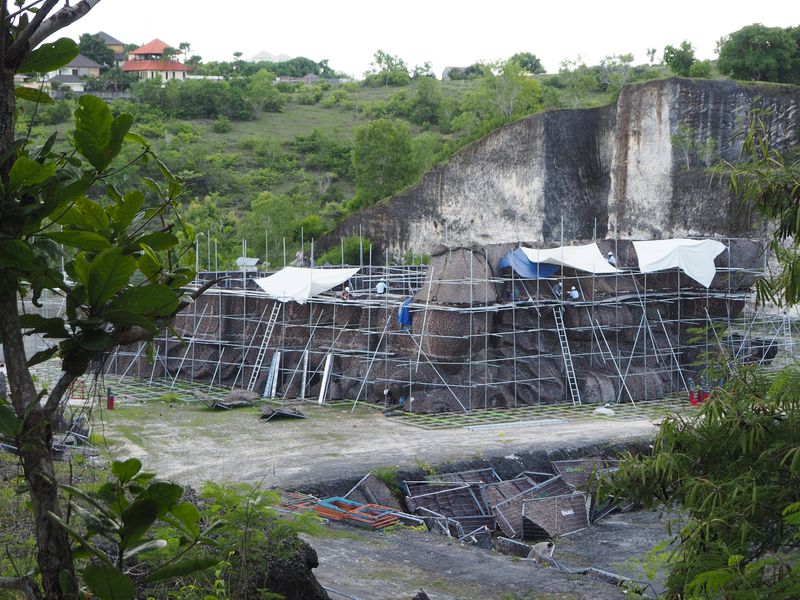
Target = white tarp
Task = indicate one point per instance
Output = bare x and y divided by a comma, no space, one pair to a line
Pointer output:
300,284
693,257
584,258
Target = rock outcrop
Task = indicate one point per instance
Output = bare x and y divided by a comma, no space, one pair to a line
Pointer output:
616,171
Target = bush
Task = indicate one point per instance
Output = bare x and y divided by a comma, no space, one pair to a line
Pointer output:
353,246
221,125
701,69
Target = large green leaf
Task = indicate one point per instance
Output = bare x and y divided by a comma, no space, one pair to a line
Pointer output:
52,327
126,318
93,212
84,240
50,57
33,95
125,470
108,583
42,356
108,273
165,494
154,299
137,519
145,547
180,568
16,254
127,209
27,172
119,129
158,240
93,121
9,422
189,516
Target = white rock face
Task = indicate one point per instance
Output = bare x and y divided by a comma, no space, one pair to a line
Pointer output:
615,171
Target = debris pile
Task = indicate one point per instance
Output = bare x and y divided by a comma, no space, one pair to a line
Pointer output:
474,505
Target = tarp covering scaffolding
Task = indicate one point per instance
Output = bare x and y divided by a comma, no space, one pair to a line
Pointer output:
524,267
693,257
300,284
584,258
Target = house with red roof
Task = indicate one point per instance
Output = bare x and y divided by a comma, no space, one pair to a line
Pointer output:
149,62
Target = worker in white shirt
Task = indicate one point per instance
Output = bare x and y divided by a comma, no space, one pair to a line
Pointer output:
612,260
574,294
380,288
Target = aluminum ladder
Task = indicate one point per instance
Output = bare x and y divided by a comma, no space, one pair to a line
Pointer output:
570,368
262,351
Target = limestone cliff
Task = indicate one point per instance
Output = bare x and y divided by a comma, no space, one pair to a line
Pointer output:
613,171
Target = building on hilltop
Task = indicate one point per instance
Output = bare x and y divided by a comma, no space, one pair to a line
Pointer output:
73,74
149,62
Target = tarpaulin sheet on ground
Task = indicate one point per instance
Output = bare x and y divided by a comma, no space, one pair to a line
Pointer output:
693,257
584,258
524,267
300,284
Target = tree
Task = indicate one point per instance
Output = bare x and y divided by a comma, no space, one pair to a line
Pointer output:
760,53
511,91
651,55
771,182
615,70
732,471
185,48
45,204
530,63
578,80
387,70
679,60
383,160
93,46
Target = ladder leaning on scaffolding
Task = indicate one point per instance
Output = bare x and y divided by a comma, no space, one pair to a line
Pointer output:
262,351
572,380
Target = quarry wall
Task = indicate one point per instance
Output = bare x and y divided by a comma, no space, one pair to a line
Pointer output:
616,171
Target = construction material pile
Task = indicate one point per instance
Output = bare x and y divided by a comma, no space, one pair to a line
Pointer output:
531,506
475,505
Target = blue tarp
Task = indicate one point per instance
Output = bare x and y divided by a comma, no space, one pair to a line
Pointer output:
404,314
526,269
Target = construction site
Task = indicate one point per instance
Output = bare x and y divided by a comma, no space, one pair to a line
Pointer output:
548,360
477,329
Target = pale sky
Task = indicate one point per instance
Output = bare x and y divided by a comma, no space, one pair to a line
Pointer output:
444,32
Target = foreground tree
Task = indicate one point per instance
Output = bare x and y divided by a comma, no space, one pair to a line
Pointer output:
122,284
732,471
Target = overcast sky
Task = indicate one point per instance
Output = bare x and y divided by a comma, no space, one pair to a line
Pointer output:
444,32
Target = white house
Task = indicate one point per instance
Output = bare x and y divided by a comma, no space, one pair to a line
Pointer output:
148,62
73,75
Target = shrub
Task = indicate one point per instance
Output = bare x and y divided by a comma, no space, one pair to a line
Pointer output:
221,125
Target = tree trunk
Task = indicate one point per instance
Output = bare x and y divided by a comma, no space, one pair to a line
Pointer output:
34,440
7,106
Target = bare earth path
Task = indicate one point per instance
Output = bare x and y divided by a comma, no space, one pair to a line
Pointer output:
192,444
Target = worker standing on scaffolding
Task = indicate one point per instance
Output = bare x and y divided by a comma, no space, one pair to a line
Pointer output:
574,294
612,260
380,288
558,291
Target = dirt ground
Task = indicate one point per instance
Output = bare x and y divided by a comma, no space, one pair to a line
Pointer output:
391,566
192,444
